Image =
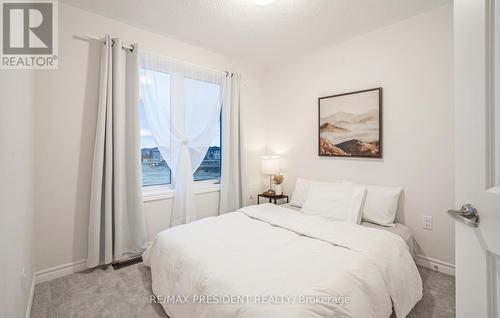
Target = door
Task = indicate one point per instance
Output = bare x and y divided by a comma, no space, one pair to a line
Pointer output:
477,155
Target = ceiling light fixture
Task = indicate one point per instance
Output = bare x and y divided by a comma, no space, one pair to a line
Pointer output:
263,2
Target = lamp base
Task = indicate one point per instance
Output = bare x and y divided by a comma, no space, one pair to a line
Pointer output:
270,192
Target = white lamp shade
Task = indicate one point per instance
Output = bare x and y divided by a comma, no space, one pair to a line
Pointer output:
270,164
263,2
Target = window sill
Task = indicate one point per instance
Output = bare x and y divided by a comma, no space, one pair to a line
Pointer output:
165,192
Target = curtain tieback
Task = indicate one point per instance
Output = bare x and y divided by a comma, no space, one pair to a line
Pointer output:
185,141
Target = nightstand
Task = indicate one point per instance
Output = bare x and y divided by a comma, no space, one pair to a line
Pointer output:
272,198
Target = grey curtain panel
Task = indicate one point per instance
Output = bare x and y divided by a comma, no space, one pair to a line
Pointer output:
230,183
116,222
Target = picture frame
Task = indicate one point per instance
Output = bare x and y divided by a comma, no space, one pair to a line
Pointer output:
350,124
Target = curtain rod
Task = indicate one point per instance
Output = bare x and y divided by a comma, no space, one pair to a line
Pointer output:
131,47
175,60
93,37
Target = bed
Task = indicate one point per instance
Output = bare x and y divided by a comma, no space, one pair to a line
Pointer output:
274,261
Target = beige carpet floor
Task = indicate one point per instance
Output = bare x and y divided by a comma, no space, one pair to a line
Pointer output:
125,293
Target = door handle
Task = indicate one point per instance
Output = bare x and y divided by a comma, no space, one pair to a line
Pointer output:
467,214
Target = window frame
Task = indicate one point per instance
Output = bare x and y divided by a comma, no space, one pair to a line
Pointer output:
166,190
163,192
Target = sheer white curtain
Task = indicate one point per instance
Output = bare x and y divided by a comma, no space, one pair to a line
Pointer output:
183,122
230,184
116,221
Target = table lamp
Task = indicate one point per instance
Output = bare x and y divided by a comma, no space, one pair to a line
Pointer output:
270,165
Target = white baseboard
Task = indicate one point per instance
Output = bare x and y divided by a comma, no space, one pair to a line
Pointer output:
437,265
30,297
50,274
60,271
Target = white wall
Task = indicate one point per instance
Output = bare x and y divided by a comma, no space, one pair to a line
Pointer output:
65,125
158,211
413,61
16,191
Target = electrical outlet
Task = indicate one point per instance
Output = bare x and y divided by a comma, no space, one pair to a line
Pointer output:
251,199
427,222
23,279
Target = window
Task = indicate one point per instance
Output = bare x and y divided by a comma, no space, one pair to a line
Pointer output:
155,170
196,94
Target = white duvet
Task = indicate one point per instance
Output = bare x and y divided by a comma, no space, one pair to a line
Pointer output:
281,263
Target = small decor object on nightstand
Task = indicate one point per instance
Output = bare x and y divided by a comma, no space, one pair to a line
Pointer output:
270,165
278,180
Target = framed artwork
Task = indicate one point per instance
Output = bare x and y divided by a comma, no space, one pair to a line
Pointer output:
350,124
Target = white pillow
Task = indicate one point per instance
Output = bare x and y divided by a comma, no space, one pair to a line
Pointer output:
301,190
381,204
335,201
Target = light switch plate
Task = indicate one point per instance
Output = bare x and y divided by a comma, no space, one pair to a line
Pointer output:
427,222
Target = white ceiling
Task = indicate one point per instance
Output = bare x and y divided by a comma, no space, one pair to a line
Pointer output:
266,34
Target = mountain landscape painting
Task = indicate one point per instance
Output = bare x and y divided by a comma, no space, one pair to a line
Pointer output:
350,124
